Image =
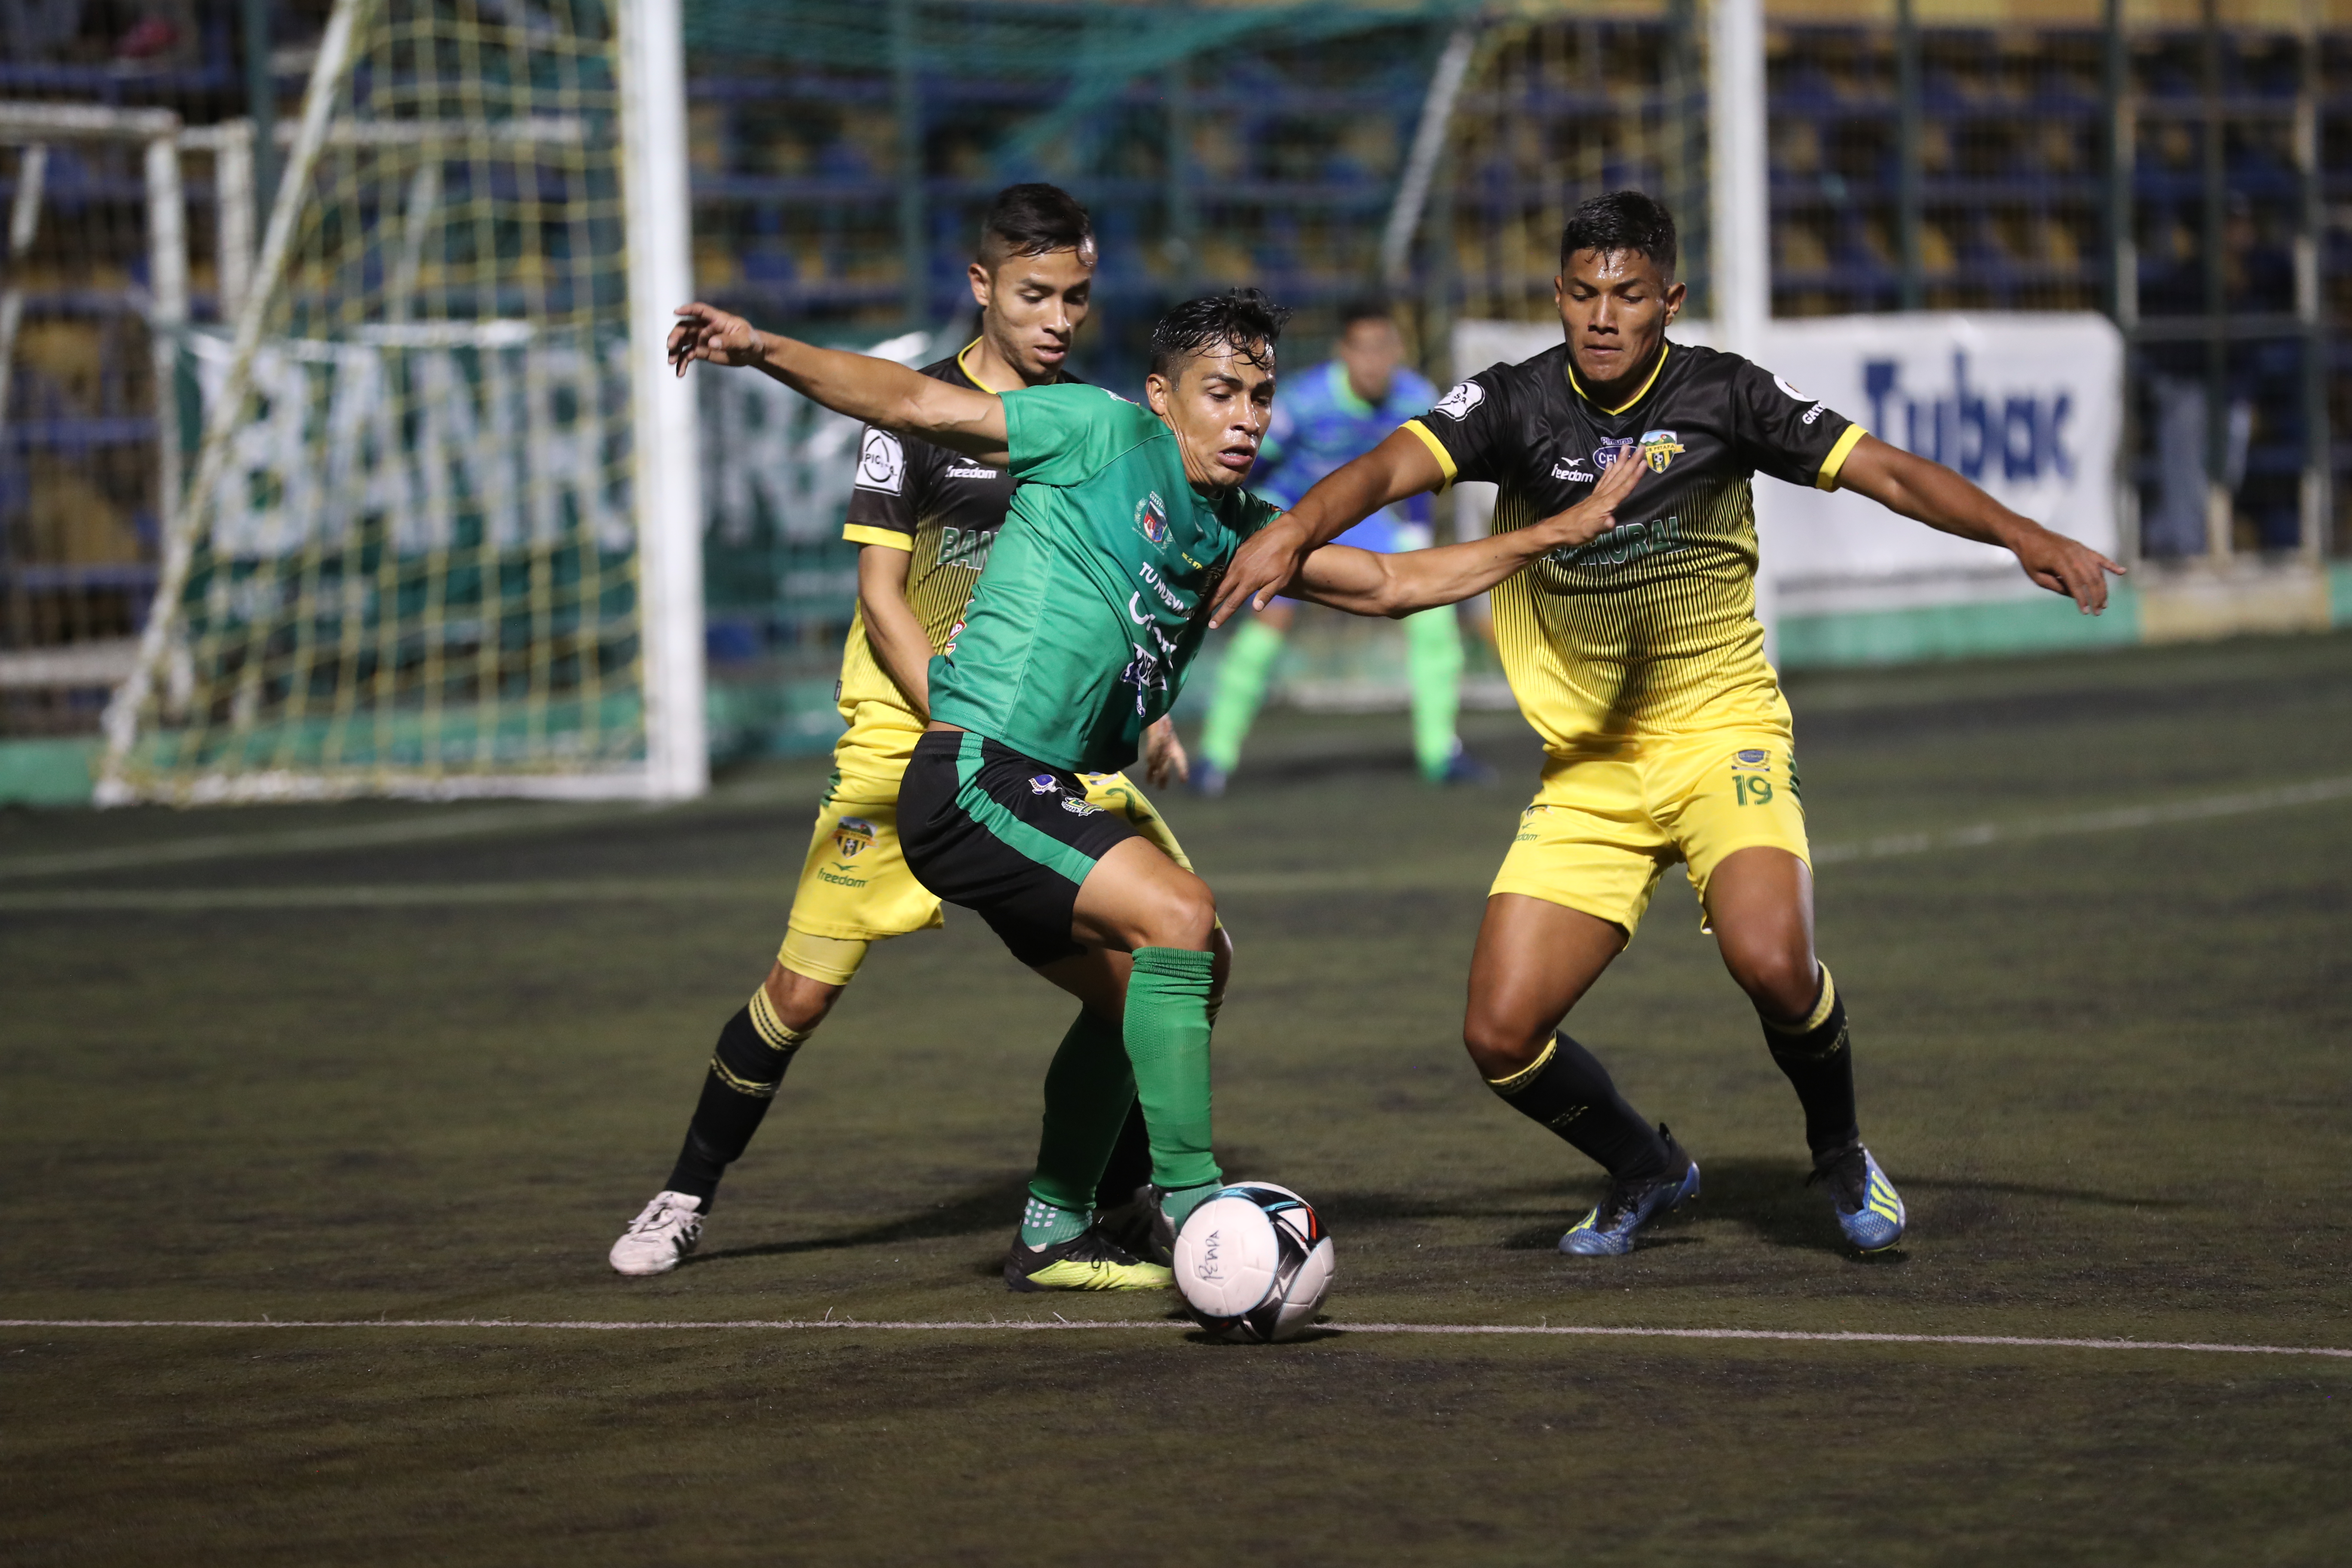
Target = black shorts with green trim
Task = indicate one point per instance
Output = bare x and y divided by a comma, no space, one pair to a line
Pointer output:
1004,836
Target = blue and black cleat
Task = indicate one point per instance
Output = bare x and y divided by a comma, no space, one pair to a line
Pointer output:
1869,1210
1628,1205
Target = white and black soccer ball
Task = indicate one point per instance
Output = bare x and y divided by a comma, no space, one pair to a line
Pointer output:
1254,1263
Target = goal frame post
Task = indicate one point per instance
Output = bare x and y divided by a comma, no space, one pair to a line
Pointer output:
664,491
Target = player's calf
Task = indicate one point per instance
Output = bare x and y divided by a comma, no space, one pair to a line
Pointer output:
747,1067
1814,1052
1567,1091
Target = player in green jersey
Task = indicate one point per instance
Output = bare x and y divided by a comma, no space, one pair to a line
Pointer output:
1078,637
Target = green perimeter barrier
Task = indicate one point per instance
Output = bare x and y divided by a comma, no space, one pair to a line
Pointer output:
49,771
2043,625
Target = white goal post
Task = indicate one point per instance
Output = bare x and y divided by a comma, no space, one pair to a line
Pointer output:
441,533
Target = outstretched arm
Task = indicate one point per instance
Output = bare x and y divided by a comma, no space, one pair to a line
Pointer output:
1398,466
1365,583
1931,493
863,387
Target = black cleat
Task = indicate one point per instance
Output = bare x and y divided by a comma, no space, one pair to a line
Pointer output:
1087,1261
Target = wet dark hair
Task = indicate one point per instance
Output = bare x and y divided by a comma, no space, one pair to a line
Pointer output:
1365,307
1243,318
1032,220
1622,220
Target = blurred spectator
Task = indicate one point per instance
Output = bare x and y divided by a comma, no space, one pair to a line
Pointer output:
1326,416
2259,279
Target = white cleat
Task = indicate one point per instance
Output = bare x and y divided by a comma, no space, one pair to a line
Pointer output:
671,1228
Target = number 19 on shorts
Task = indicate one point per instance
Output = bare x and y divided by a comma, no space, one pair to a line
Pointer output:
1751,790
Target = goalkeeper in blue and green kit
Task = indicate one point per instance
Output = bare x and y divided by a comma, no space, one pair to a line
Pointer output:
1094,601
1329,417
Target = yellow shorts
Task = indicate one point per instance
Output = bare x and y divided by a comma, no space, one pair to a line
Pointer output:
1606,825
854,887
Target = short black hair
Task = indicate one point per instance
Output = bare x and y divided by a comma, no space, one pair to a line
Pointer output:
1365,307
1240,316
1032,220
1622,220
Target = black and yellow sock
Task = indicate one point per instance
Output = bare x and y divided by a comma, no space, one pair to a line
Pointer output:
1568,1091
1816,1055
754,1049
1089,1090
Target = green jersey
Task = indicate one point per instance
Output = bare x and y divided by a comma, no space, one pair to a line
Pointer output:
1093,602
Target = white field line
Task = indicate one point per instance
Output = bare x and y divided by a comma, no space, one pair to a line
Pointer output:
1793,1336
2116,819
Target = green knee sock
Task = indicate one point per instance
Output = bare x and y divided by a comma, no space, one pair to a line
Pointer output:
1433,649
1087,1092
1241,686
1168,1045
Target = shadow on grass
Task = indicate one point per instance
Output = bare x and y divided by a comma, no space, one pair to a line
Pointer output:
1770,1197
995,1206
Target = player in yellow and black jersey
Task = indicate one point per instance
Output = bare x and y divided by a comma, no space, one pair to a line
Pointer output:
925,519
1639,659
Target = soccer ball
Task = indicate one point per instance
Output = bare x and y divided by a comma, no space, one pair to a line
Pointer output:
1254,1263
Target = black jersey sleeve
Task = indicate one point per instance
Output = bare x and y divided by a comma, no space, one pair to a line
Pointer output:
1471,427
884,503
1782,432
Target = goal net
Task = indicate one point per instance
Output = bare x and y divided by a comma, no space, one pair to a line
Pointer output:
438,533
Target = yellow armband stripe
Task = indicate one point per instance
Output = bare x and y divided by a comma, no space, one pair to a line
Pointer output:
1436,450
889,537
1827,478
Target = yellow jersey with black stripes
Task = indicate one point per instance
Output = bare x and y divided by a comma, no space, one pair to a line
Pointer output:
1651,628
944,510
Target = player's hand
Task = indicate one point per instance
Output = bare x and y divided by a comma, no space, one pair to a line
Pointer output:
2066,566
1596,514
1163,755
1262,568
704,332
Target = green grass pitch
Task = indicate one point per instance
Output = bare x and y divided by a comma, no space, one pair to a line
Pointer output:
342,1064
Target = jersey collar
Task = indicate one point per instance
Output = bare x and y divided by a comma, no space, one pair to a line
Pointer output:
1664,348
963,363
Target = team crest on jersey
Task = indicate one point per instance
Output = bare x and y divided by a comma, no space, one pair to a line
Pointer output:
1077,807
1151,518
1782,383
1457,403
881,463
853,836
1044,784
1751,759
1660,447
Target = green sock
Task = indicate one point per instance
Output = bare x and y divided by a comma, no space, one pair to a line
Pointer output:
1241,679
1179,1205
1087,1092
1432,650
1167,1035
1043,1225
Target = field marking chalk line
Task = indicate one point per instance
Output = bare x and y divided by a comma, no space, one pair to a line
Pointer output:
617,890
1549,1331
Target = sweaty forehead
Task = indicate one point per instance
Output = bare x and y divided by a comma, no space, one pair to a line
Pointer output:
1250,363
1610,269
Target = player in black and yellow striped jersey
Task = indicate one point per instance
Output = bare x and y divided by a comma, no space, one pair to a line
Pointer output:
925,519
1639,658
